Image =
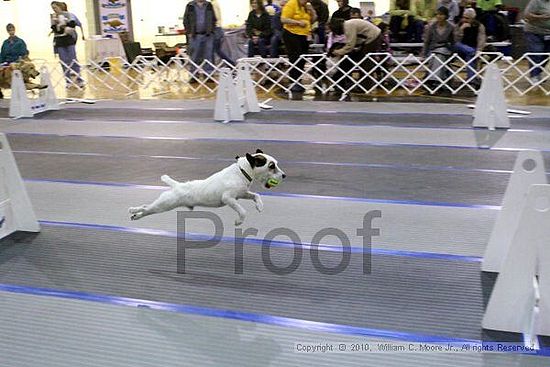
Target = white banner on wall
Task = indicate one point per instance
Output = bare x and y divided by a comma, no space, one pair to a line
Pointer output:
114,16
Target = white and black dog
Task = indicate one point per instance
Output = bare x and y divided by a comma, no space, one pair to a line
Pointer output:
222,188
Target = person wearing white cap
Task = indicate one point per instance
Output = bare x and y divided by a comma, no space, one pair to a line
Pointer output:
470,39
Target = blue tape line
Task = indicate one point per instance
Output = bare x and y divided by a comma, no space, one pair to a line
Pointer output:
311,326
226,240
233,315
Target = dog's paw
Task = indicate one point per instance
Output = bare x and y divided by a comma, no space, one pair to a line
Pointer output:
135,216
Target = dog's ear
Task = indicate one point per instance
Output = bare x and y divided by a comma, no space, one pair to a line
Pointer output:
260,160
251,160
258,151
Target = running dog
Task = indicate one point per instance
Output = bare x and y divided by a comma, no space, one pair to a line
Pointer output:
222,188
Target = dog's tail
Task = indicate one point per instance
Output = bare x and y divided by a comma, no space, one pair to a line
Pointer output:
168,180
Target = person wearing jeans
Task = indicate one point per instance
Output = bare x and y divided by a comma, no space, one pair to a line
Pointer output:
199,21
63,27
470,39
297,17
537,35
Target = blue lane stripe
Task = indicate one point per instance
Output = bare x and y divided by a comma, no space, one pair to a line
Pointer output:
275,141
274,194
227,240
286,322
233,315
334,164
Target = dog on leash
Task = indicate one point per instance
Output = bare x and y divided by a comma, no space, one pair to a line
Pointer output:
222,188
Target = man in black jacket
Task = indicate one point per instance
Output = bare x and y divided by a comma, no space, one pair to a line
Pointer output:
199,21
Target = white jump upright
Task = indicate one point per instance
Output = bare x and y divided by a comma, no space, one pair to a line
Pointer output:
228,107
491,110
528,170
16,213
512,304
246,90
22,106
235,98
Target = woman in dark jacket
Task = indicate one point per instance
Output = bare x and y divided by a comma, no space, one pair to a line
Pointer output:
258,29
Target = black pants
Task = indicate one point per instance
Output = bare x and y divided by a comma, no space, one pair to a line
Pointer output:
296,46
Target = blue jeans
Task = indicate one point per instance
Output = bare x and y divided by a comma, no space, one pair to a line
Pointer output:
218,42
275,44
257,48
68,55
202,48
467,53
537,44
320,31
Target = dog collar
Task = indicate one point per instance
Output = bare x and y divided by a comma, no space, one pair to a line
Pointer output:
246,174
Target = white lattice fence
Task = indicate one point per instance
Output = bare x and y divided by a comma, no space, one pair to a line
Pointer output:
377,72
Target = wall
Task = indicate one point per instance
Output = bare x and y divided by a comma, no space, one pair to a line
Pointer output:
382,6
33,25
147,18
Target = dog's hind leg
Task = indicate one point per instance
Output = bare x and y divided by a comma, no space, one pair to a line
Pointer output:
168,200
136,209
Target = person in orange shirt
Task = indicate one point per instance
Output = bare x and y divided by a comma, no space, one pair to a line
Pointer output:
297,17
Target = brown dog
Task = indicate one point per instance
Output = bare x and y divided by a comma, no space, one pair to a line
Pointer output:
28,70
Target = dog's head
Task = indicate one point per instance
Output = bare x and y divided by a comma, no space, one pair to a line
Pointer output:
265,168
27,69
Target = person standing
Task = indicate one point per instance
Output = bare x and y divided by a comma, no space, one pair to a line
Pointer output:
297,17
13,48
537,35
63,27
321,9
199,21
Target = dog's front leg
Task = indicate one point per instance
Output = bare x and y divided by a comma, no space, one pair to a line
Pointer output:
257,199
233,204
